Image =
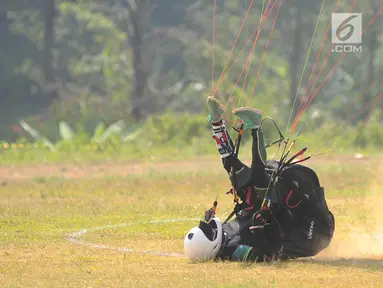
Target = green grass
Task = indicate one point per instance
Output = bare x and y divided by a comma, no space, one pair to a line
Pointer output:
37,212
91,154
155,150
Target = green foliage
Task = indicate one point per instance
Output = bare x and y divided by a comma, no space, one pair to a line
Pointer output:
176,128
369,134
105,58
93,63
71,140
77,142
99,130
66,131
179,136
37,136
38,212
111,131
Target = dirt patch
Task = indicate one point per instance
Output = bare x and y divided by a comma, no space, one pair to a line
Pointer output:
211,164
104,170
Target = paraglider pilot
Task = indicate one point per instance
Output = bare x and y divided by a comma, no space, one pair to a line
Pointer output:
283,213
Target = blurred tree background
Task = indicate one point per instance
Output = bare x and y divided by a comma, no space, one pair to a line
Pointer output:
93,63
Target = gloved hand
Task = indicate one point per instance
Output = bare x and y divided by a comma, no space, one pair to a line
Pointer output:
262,217
210,213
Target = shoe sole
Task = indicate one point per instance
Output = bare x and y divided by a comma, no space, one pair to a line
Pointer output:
213,99
247,109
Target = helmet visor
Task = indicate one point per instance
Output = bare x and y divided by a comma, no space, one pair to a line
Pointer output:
209,229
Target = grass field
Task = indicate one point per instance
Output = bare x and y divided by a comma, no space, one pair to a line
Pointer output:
41,205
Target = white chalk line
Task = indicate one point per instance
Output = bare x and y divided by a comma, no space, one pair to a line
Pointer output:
75,237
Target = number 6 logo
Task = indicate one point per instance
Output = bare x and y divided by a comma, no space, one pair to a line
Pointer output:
346,28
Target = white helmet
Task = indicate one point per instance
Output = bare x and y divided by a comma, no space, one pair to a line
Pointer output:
202,243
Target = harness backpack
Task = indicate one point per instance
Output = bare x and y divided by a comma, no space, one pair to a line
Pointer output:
299,205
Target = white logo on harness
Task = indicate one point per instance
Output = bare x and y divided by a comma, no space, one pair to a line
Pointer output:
310,235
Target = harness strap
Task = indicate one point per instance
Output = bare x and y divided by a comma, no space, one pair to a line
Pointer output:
288,198
248,199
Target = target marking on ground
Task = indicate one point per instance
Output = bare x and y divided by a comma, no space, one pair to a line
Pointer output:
76,238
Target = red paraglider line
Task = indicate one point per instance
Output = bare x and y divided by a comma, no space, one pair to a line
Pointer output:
372,109
316,61
339,118
212,64
336,65
372,20
247,64
267,47
248,59
220,81
253,49
363,123
360,95
378,96
240,75
332,70
235,43
316,79
314,95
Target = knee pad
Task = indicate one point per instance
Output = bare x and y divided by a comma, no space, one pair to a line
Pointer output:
242,253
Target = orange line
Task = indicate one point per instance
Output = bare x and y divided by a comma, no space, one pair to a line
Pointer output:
247,61
324,63
235,42
243,49
252,51
372,109
267,47
360,95
367,105
320,72
336,65
372,20
316,62
212,65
